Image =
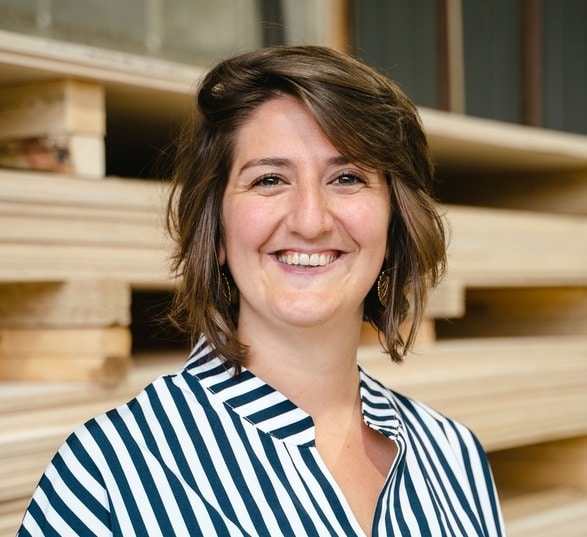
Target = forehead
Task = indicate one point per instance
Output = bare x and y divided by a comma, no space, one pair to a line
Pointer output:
282,124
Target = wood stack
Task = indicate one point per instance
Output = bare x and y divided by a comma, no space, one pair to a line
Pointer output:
76,330
56,126
505,342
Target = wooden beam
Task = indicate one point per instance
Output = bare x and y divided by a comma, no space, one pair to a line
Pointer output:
469,144
501,248
80,226
80,354
73,304
546,513
54,126
142,268
134,195
65,106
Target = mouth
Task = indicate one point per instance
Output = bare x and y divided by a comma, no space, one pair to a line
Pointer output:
304,259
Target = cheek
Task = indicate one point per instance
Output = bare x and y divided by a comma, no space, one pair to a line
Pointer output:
371,225
246,227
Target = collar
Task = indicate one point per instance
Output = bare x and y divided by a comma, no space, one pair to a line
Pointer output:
270,411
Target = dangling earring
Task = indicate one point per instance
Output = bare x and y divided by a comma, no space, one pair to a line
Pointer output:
226,287
383,287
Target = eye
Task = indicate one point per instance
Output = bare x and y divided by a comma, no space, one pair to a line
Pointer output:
268,181
348,179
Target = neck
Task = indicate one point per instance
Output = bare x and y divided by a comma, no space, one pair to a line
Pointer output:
314,367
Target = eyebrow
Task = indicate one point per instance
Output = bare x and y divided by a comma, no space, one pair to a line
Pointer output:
338,160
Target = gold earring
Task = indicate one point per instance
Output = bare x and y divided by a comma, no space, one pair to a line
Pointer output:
383,287
226,288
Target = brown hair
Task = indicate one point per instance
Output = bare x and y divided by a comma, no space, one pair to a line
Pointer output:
367,118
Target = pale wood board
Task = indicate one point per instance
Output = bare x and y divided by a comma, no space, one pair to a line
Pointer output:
81,230
140,267
58,106
92,354
503,248
55,189
557,512
65,304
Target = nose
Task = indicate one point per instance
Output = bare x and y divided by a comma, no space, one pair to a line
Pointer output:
309,213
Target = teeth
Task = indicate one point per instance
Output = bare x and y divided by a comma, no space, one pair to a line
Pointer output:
307,260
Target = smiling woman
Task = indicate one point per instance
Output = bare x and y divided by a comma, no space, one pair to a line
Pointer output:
301,207
372,125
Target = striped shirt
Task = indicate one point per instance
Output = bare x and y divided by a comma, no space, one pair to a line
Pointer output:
202,452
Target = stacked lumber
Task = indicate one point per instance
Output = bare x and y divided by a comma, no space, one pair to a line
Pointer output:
58,228
56,126
76,330
509,362
35,419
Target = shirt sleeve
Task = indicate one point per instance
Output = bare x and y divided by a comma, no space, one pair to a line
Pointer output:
70,499
479,477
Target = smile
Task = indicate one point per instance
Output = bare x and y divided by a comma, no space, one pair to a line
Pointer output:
307,260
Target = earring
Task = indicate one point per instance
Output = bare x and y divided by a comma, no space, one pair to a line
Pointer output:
383,287
226,288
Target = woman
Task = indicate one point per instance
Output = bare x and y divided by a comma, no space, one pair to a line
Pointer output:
301,207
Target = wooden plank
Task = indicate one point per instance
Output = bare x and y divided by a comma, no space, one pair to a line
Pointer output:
510,391
80,155
500,248
543,514
81,354
140,267
31,57
71,213
26,397
62,106
469,144
79,228
560,463
11,514
112,193
514,312
65,304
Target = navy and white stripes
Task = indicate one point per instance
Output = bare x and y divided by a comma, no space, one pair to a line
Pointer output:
202,452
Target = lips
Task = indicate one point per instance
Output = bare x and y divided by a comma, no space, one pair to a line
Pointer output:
304,259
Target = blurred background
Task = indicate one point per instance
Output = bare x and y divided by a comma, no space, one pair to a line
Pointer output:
92,95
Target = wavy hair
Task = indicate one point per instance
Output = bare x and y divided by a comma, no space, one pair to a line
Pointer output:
368,119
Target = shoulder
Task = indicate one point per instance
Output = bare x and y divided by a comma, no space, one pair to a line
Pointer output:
427,428
99,441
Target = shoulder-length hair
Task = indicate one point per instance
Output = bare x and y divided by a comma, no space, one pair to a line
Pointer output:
368,119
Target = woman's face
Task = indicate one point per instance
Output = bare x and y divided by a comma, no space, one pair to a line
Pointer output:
305,230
